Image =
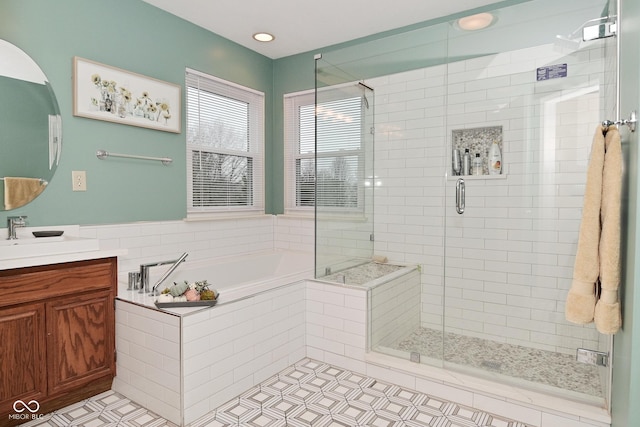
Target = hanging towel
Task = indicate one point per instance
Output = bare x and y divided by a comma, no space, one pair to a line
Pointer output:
20,191
607,313
581,300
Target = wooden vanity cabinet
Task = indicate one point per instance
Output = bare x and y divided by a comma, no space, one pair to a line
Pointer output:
57,334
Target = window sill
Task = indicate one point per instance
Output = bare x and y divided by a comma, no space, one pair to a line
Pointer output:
294,213
225,216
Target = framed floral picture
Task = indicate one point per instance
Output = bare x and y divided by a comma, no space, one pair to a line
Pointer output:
107,93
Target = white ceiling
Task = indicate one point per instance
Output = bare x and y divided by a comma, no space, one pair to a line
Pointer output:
303,25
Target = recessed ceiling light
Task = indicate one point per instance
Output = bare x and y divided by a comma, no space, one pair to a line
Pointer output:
476,22
263,37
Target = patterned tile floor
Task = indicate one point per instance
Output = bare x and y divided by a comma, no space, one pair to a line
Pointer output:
309,393
539,366
108,409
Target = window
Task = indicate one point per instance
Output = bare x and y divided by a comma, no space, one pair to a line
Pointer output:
340,152
225,145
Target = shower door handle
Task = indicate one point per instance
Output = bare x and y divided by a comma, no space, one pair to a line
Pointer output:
460,196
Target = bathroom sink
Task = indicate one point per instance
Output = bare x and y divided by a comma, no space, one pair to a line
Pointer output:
43,246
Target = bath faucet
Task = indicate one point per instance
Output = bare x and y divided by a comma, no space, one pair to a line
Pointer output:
13,223
144,273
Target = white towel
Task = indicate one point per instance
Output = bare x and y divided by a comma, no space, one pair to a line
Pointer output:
607,313
596,272
581,300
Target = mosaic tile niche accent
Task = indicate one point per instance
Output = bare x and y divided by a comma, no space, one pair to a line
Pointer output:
477,140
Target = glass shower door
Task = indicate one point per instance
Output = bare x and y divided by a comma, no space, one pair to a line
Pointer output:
509,253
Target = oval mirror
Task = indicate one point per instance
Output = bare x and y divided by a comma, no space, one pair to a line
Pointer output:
30,128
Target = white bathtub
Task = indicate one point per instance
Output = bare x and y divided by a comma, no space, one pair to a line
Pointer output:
235,277
179,361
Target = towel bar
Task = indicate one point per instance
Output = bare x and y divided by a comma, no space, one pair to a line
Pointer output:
103,154
630,122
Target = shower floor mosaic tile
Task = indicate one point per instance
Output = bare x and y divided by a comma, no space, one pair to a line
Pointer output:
307,394
539,366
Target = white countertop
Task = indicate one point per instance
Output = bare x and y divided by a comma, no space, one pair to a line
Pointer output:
7,264
44,251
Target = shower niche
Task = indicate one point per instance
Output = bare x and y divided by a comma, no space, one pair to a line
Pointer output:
478,141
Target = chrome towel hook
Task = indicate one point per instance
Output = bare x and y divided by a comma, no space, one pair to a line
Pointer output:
630,122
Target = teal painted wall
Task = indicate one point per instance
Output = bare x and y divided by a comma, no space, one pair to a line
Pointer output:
291,74
137,37
626,357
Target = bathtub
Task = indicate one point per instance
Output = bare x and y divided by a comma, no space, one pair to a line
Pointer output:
235,277
183,362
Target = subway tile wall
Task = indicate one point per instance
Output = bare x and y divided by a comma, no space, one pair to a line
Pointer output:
228,350
163,240
508,261
148,363
394,310
336,321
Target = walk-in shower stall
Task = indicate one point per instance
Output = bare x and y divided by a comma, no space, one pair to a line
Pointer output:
494,249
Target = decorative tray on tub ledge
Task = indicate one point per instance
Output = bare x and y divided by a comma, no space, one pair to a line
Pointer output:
186,304
188,290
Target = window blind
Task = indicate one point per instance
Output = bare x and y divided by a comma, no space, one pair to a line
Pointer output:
225,127
339,158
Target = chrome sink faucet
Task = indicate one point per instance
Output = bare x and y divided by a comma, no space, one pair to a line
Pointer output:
144,273
13,223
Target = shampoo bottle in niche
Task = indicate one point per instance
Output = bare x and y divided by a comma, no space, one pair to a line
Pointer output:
477,165
466,162
495,159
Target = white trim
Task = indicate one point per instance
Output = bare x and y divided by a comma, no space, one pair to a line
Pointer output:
227,82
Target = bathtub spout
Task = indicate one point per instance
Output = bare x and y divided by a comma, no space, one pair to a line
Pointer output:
144,273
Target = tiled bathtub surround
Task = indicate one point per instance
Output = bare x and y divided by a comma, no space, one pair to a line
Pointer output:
182,367
165,240
238,345
148,365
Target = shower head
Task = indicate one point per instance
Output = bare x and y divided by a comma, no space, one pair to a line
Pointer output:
592,29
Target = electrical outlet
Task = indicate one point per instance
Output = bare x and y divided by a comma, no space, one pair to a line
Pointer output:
79,180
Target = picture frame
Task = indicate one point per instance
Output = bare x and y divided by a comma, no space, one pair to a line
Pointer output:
111,94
